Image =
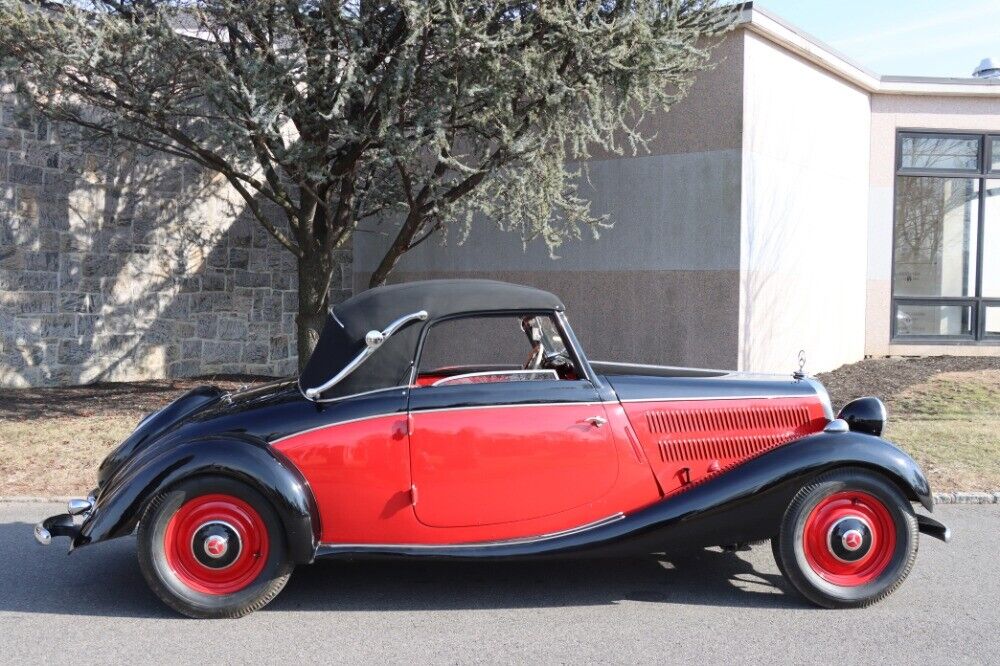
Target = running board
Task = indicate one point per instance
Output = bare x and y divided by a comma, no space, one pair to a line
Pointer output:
475,549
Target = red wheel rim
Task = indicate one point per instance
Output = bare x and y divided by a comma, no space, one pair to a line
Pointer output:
216,544
849,538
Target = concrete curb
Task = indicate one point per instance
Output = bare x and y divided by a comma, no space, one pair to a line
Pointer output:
967,498
939,498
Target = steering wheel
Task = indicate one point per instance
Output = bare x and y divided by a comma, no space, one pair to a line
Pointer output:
557,362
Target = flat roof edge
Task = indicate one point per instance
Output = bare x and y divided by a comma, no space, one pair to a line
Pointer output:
779,31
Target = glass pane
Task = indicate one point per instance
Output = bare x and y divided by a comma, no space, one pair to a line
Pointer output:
991,240
492,345
933,320
940,152
996,154
492,342
935,236
993,320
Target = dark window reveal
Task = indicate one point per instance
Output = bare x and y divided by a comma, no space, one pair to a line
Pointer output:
946,238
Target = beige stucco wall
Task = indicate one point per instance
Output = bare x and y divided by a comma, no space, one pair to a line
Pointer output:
890,113
661,286
804,193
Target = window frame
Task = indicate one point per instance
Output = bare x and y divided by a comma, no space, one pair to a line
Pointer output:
579,361
938,134
989,337
977,302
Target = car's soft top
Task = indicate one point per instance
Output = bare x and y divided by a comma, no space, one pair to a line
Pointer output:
343,335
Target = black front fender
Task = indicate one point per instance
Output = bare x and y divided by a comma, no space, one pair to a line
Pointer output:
120,504
748,502
827,450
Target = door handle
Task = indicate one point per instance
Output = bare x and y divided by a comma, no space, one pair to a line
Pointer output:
596,421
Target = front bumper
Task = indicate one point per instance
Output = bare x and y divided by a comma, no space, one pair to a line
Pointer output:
933,528
62,524
65,524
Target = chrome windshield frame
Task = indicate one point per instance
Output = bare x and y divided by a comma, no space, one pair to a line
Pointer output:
365,354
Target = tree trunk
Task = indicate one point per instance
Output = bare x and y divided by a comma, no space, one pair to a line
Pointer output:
314,288
398,248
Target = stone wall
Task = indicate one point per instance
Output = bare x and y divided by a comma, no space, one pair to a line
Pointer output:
122,266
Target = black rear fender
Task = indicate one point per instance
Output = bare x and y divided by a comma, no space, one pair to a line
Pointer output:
121,502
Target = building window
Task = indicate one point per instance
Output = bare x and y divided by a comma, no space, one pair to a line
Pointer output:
946,238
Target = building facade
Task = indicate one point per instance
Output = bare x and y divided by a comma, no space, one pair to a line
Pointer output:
793,201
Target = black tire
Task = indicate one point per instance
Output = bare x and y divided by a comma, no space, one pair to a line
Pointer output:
172,589
789,548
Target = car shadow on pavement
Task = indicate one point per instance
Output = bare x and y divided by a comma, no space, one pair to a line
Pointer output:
709,577
104,580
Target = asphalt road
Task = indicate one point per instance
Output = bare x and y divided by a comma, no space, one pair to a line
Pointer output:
94,607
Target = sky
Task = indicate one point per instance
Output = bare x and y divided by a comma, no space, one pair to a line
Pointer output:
904,37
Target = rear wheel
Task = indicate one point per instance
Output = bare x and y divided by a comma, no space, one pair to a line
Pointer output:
847,540
213,547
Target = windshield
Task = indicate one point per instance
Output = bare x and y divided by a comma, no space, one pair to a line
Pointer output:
551,338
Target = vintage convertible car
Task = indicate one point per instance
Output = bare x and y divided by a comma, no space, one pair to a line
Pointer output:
461,419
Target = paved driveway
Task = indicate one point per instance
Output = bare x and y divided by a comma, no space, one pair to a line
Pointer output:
718,608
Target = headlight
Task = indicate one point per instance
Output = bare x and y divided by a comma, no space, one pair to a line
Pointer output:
865,415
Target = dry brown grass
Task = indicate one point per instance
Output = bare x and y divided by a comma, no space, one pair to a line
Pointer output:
57,457
951,425
53,439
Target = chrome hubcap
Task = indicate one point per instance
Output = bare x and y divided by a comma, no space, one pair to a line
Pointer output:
216,544
850,539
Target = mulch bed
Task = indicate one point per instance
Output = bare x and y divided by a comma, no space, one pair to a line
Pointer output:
887,377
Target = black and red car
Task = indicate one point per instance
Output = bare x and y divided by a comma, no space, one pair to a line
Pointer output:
461,419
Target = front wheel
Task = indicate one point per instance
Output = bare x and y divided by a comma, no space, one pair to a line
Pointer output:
848,539
213,547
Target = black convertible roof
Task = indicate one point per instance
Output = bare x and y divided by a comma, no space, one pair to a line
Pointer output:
441,298
343,335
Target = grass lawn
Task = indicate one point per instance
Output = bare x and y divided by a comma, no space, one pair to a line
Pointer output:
59,457
944,411
951,425
53,439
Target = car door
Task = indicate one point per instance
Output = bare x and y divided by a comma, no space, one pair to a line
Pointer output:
504,446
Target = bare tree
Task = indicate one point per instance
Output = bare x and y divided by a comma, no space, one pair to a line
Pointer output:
422,112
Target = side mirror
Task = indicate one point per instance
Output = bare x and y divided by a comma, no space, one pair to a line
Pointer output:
374,339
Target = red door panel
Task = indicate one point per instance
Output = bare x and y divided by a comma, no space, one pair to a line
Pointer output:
359,473
492,465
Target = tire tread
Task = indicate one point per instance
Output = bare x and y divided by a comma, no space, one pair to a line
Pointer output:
783,544
163,592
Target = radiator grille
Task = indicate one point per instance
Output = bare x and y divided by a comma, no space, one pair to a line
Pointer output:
721,433
680,421
715,448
